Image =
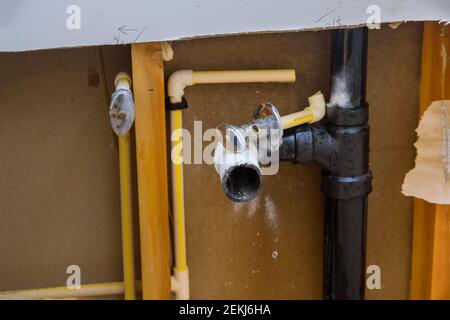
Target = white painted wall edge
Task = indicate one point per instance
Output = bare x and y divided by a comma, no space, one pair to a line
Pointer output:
42,24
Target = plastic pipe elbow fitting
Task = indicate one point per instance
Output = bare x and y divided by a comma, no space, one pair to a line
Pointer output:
317,106
177,82
313,113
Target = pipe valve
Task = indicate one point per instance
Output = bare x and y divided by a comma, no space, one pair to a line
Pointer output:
121,109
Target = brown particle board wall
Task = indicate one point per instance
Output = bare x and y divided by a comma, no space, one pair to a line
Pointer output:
59,190
58,171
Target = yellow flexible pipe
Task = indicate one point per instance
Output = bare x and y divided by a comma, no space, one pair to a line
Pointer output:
176,121
181,272
127,217
86,290
298,120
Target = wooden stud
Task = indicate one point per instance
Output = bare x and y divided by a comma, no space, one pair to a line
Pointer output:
430,271
148,84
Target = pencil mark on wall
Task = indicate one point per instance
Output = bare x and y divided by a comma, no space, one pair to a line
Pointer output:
123,33
123,29
140,33
326,14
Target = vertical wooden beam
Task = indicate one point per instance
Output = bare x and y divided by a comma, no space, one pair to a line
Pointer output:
148,84
430,273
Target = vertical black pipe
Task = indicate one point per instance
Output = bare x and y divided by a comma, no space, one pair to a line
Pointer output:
346,182
349,58
342,149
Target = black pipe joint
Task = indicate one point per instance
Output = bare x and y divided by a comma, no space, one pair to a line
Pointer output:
341,151
348,116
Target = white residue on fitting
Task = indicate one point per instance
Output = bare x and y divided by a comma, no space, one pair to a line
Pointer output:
340,93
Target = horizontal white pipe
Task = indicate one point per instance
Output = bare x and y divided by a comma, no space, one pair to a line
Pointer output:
87,290
182,78
244,76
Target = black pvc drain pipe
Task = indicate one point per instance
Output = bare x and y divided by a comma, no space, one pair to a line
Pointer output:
342,149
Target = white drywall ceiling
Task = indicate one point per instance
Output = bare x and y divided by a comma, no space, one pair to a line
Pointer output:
41,24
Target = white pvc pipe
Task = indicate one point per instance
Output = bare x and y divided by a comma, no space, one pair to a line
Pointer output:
244,76
86,290
182,78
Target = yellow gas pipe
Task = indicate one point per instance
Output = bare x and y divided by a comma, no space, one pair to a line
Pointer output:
127,217
126,204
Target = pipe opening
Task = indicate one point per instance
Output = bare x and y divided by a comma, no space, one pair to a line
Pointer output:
242,183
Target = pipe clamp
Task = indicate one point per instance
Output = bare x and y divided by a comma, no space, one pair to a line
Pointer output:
177,105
